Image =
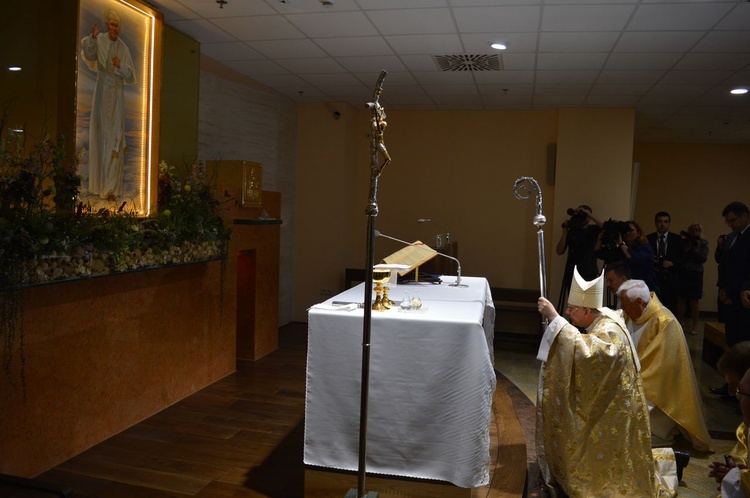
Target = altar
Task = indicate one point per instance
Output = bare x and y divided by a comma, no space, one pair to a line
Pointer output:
431,384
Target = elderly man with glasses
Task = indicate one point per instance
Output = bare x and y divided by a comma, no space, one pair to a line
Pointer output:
672,394
593,435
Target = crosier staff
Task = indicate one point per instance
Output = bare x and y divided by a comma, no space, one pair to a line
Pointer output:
522,190
377,127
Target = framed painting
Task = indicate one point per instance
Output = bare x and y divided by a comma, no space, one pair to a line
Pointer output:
117,104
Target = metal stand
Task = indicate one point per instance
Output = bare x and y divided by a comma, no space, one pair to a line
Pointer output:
378,125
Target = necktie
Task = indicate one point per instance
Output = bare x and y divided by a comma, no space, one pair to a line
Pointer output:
662,245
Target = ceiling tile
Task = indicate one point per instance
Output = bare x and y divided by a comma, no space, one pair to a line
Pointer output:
419,62
435,90
282,80
444,78
504,77
287,49
737,19
355,46
550,90
333,24
229,51
389,63
571,61
565,77
711,61
658,41
312,66
671,57
619,89
258,67
211,10
425,44
586,17
174,11
678,16
349,91
412,21
497,19
202,30
259,28
400,4
479,43
646,61
516,90
612,77
577,42
725,41
518,62
329,79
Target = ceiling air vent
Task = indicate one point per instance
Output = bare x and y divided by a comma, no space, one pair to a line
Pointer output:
468,62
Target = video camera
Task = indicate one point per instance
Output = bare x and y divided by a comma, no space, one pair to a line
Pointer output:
612,231
578,219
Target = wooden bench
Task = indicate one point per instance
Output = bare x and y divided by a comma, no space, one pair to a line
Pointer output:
516,314
714,342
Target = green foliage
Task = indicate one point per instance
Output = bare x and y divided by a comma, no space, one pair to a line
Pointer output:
46,234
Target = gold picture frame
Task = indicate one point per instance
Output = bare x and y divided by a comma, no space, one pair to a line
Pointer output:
252,184
117,107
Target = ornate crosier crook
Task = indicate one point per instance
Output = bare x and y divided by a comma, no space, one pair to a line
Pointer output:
522,190
377,127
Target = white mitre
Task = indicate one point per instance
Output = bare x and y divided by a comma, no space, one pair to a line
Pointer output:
586,294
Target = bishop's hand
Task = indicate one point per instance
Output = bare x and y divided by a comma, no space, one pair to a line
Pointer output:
546,309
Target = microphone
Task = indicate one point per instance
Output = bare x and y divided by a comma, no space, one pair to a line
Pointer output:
447,233
377,233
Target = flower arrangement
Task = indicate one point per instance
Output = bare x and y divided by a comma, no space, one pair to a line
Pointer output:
47,234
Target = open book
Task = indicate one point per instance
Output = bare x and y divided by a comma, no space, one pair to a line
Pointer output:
411,256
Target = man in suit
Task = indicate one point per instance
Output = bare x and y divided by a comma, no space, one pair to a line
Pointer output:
734,274
667,247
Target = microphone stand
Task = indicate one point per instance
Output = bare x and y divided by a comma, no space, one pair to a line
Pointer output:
377,124
458,264
522,190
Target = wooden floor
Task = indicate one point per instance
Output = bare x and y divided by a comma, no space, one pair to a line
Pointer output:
241,437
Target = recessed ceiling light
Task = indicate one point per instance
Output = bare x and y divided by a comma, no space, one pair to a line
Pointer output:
14,68
738,91
499,45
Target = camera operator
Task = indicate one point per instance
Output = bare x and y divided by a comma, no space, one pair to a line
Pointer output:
695,249
634,250
579,235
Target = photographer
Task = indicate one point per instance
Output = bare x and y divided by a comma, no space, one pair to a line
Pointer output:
579,237
634,250
695,249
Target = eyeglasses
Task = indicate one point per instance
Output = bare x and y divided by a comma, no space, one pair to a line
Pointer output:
571,308
737,393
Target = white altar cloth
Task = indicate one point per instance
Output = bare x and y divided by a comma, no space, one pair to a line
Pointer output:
431,384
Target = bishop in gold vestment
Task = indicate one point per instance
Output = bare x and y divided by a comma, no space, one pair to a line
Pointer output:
666,368
593,437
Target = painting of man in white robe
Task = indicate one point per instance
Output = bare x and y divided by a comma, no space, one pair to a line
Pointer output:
110,107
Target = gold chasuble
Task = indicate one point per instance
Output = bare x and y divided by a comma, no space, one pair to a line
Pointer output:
667,372
593,435
739,452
